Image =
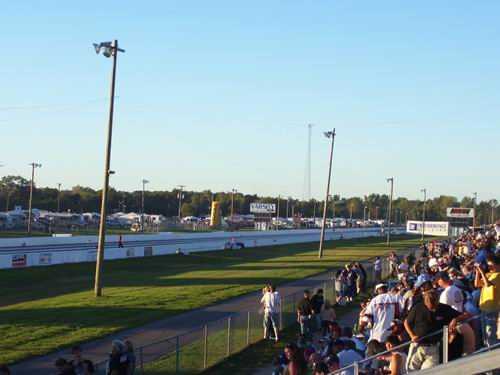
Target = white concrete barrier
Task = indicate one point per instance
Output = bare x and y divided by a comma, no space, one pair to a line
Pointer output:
44,251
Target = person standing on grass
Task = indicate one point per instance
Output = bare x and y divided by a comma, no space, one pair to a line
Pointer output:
304,314
317,302
271,302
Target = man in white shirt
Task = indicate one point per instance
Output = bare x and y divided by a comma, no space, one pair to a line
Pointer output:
382,310
451,295
271,301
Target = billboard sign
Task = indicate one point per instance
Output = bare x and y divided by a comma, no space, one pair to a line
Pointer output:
262,208
432,228
45,259
19,260
460,213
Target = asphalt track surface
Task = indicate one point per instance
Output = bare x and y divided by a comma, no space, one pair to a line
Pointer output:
138,243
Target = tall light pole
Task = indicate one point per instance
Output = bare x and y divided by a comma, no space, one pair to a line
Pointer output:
423,214
180,196
474,206
493,204
389,212
233,191
144,182
287,203
278,209
33,166
364,213
59,197
109,49
330,135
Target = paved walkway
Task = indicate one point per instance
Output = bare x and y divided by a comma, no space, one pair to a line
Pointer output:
347,319
98,350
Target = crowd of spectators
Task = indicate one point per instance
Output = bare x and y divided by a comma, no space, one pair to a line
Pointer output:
453,283
121,361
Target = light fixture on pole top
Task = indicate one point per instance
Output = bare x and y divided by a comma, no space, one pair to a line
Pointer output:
329,135
108,49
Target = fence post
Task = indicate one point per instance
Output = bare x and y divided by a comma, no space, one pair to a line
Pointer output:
228,336
141,359
248,328
205,346
445,344
356,368
177,355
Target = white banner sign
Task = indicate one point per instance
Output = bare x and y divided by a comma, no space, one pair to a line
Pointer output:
432,228
263,208
460,213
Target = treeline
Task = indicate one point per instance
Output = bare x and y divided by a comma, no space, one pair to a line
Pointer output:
14,191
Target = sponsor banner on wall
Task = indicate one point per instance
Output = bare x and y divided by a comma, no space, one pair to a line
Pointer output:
262,208
92,256
148,251
19,260
45,259
130,252
460,213
432,228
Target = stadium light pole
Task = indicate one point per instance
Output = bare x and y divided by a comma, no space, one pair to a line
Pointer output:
180,195
330,135
423,214
389,212
474,205
108,49
59,197
493,204
33,166
278,209
144,182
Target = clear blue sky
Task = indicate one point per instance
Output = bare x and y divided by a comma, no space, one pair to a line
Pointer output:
217,94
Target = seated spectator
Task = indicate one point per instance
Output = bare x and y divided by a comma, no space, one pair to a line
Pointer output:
348,355
332,362
347,335
397,358
80,365
321,369
63,367
296,364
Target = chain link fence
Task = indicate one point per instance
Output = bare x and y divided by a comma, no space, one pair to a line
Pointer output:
201,348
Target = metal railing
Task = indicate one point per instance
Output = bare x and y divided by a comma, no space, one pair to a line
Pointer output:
443,344
205,346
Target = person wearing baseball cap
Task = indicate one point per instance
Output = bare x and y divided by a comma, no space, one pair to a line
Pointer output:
451,295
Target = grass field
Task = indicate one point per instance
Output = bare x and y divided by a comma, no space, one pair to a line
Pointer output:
45,308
